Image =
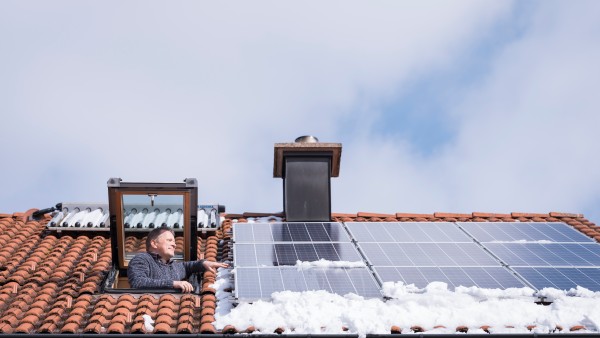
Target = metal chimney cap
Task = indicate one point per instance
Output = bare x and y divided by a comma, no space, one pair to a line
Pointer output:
307,139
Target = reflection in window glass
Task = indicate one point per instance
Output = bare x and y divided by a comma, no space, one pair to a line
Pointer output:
148,211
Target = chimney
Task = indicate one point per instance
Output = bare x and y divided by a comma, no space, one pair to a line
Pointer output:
306,167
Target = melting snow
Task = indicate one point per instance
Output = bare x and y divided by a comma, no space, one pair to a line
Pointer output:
434,308
148,321
322,263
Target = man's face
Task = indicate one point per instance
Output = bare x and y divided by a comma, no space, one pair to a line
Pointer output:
164,245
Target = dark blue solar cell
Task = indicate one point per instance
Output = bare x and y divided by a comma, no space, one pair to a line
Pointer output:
260,283
275,254
484,277
561,278
426,254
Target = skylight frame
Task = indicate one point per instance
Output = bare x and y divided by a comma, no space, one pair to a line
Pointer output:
118,189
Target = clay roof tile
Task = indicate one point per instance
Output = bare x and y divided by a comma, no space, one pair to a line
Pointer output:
162,328
207,328
70,328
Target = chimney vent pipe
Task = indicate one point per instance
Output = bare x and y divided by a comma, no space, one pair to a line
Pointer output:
307,139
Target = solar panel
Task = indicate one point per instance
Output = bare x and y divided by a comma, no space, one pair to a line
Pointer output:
524,231
488,255
426,254
485,277
551,254
273,254
561,278
401,232
289,232
260,283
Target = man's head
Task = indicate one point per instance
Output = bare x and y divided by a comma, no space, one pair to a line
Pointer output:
162,242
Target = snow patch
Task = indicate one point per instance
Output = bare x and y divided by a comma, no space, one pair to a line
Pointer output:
267,219
322,263
148,323
435,308
224,286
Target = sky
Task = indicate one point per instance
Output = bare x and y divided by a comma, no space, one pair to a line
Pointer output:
460,106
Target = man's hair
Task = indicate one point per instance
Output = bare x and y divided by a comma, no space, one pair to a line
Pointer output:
154,234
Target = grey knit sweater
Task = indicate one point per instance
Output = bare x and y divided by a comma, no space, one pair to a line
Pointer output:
147,270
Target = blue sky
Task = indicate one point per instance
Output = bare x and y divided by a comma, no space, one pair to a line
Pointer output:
457,107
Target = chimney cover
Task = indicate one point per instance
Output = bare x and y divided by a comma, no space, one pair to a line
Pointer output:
307,139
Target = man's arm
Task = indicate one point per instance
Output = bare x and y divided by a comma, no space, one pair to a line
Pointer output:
195,266
138,274
202,265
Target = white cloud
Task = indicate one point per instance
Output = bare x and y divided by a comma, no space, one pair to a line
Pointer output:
526,137
155,92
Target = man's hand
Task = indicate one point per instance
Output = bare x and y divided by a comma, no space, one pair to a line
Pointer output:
183,285
212,266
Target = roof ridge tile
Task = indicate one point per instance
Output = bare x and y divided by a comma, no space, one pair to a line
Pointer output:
528,214
451,215
372,214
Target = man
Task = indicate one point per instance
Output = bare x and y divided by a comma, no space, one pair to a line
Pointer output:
154,269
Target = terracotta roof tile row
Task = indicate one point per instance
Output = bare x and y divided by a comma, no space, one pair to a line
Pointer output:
49,284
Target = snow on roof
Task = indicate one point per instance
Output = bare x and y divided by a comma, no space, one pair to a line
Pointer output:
434,309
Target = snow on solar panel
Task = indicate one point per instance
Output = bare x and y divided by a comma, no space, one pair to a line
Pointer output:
485,277
260,283
561,278
401,232
523,232
289,232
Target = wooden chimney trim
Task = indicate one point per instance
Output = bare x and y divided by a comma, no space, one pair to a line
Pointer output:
334,148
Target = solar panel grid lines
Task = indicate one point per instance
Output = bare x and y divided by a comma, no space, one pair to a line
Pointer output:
426,254
290,232
485,277
523,232
543,254
265,256
406,232
275,254
561,278
490,254
422,252
274,279
547,254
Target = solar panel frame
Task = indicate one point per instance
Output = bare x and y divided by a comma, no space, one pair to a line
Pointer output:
340,281
279,254
561,278
426,254
406,232
486,277
523,232
546,254
489,254
289,232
